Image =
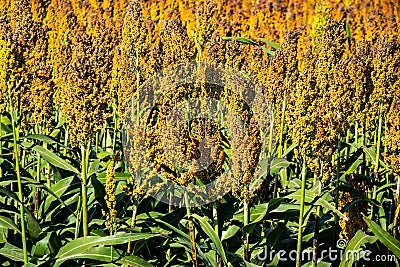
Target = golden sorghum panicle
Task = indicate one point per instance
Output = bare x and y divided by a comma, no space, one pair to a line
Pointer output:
6,64
20,25
384,76
246,148
110,198
137,56
25,67
358,71
301,105
315,117
5,7
281,75
37,103
392,134
176,46
321,20
85,95
61,21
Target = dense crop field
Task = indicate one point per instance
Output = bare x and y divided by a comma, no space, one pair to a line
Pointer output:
199,133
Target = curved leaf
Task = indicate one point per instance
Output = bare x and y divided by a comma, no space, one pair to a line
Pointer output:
78,246
359,239
384,237
135,261
8,223
206,227
55,160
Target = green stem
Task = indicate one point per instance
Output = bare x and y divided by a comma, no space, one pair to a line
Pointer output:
378,148
1,142
48,169
191,231
85,159
271,132
347,150
376,168
171,198
302,201
280,150
335,229
78,217
65,141
246,235
316,236
133,223
96,142
216,227
20,197
37,197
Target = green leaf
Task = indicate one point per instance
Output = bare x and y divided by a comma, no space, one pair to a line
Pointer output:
353,167
258,212
135,261
289,149
32,224
57,190
8,223
173,228
61,121
330,207
41,245
54,133
42,137
346,26
103,154
359,239
54,160
231,231
119,176
371,153
271,44
207,228
93,167
242,40
102,254
277,164
5,120
309,196
80,245
11,252
269,52
384,237
99,190
249,264
312,198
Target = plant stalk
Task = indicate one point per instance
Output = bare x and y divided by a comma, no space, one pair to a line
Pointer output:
302,203
246,235
191,231
84,153
20,197
216,228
